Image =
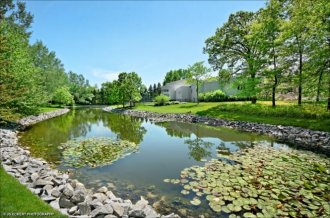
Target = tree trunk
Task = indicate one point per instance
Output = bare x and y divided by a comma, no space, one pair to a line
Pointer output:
275,80
253,97
329,94
273,91
300,78
319,86
197,91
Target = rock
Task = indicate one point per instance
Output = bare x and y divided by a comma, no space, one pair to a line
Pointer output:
68,190
137,213
111,195
55,204
118,209
36,191
47,199
100,196
103,189
19,159
41,183
55,193
65,203
81,187
172,215
103,210
84,208
78,196
110,216
96,203
48,189
141,204
72,210
150,212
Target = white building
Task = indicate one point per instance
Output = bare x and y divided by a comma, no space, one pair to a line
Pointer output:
181,90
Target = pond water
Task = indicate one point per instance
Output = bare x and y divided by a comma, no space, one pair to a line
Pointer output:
165,149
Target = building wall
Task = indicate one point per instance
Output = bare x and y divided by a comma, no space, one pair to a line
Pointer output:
182,91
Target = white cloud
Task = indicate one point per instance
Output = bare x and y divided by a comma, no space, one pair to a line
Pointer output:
107,75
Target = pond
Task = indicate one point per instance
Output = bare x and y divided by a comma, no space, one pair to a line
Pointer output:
164,150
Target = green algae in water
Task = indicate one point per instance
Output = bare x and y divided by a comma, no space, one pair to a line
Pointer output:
94,152
263,182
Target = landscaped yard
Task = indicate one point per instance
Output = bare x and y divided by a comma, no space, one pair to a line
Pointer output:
309,115
16,198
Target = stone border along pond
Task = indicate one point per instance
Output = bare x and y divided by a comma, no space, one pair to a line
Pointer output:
316,141
68,196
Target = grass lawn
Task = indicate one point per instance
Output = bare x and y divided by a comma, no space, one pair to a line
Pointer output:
16,198
287,113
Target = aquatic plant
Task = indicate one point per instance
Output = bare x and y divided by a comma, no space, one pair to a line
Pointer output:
94,152
262,182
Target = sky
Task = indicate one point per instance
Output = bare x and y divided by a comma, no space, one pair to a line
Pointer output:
100,39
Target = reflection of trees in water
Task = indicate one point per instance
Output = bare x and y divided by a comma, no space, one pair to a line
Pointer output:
174,130
45,137
126,127
199,148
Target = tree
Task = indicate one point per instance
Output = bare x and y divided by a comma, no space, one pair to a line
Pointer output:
80,89
129,86
20,88
231,47
62,96
174,75
51,69
154,90
198,74
319,54
159,89
267,28
296,37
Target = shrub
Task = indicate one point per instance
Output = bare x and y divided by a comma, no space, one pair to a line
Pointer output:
161,100
216,95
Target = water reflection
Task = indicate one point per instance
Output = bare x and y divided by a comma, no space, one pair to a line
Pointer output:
44,138
199,148
126,127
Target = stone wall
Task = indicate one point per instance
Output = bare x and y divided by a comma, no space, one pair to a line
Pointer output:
317,141
68,196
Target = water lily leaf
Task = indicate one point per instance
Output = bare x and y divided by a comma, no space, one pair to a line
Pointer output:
185,192
249,215
195,201
166,180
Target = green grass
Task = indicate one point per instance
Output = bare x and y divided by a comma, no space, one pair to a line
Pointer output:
310,116
47,109
16,198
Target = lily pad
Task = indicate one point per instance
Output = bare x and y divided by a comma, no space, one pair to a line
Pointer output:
195,201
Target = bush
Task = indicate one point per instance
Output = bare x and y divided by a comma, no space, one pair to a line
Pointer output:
216,95
219,96
161,100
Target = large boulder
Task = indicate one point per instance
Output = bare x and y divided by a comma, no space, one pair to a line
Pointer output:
103,210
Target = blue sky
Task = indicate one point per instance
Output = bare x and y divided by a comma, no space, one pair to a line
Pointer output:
100,39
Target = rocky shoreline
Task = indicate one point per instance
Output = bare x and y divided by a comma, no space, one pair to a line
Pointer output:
68,196
316,141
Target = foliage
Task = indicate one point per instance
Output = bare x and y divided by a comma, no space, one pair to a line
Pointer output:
262,181
19,82
80,89
215,96
161,100
94,152
49,67
231,47
284,47
63,96
15,197
174,75
198,74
